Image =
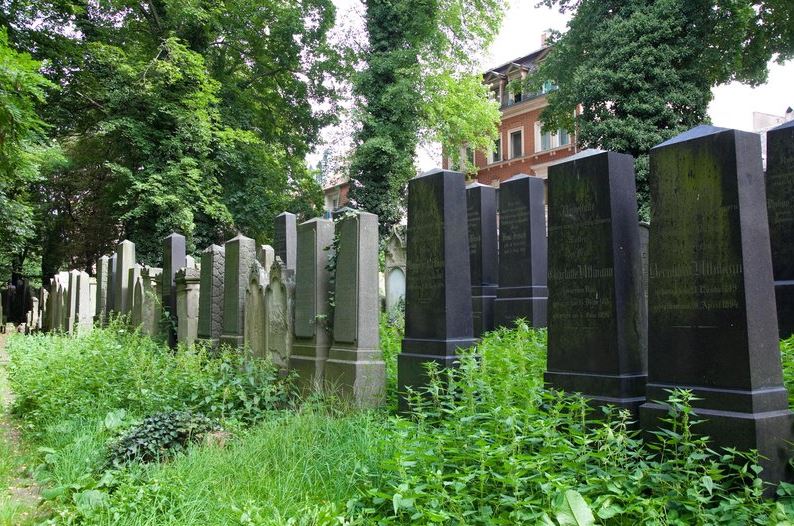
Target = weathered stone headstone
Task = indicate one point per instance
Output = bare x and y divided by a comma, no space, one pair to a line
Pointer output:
72,302
148,304
712,323
211,301
34,314
174,258
61,299
285,241
188,282
136,317
597,339
44,305
395,267
780,203
355,364
279,314
483,255
102,279
111,299
240,254
523,291
254,331
312,339
85,309
438,319
265,255
133,276
125,260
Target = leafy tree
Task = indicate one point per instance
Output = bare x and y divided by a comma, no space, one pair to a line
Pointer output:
641,71
419,83
22,150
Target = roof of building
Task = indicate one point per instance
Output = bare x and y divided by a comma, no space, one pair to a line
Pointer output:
528,62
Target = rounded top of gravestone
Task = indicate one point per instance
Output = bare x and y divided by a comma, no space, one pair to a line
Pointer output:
789,124
695,133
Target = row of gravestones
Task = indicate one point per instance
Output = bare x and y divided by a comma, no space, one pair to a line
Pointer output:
276,301
708,321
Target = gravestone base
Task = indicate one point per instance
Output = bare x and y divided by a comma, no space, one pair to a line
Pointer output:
416,353
309,367
482,301
532,309
235,341
784,294
768,432
623,391
357,375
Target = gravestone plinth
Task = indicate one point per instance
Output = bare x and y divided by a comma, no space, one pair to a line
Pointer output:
174,258
125,260
483,255
780,203
240,254
188,282
211,301
103,281
355,367
522,291
597,338
711,301
279,314
285,240
438,319
312,339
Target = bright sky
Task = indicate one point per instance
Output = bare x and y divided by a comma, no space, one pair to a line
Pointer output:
732,107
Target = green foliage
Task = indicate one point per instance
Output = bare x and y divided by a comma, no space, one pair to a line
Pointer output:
419,81
158,437
642,71
392,331
57,378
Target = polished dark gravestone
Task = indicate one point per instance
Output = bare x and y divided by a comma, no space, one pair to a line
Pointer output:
598,332
523,291
483,254
438,319
711,301
780,204
174,258
285,241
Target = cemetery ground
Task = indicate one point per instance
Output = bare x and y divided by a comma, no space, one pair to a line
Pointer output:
118,429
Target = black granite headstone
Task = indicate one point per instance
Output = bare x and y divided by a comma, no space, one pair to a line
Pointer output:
780,203
438,318
523,291
711,301
285,241
597,341
483,254
174,258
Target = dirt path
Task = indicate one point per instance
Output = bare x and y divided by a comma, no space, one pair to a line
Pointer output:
23,490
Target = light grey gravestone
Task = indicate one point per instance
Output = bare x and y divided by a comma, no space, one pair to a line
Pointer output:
103,281
44,305
355,364
34,314
285,241
254,332
133,275
279,314
188,289
136,317
239,258
85,312
59,312
265,255
312,339
71,301
149,307
92,287
111,296
211,301
395,267
174,258
125,260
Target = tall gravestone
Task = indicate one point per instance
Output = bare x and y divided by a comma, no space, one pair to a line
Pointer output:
279,314
111,299
102,279
148,304
265,255
395,267
72,302
133,276
85,314
712,323
355,364
211,300
645,236
254,330
780,203
285,240
523,291
63,289
483,255
188,283
312,339
597,339
174,258
438,319
125,260
44,305
240,254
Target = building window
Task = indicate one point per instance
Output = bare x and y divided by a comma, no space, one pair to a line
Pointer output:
470,156
549,141
565,138
548,87
545,141
516,144
496,155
